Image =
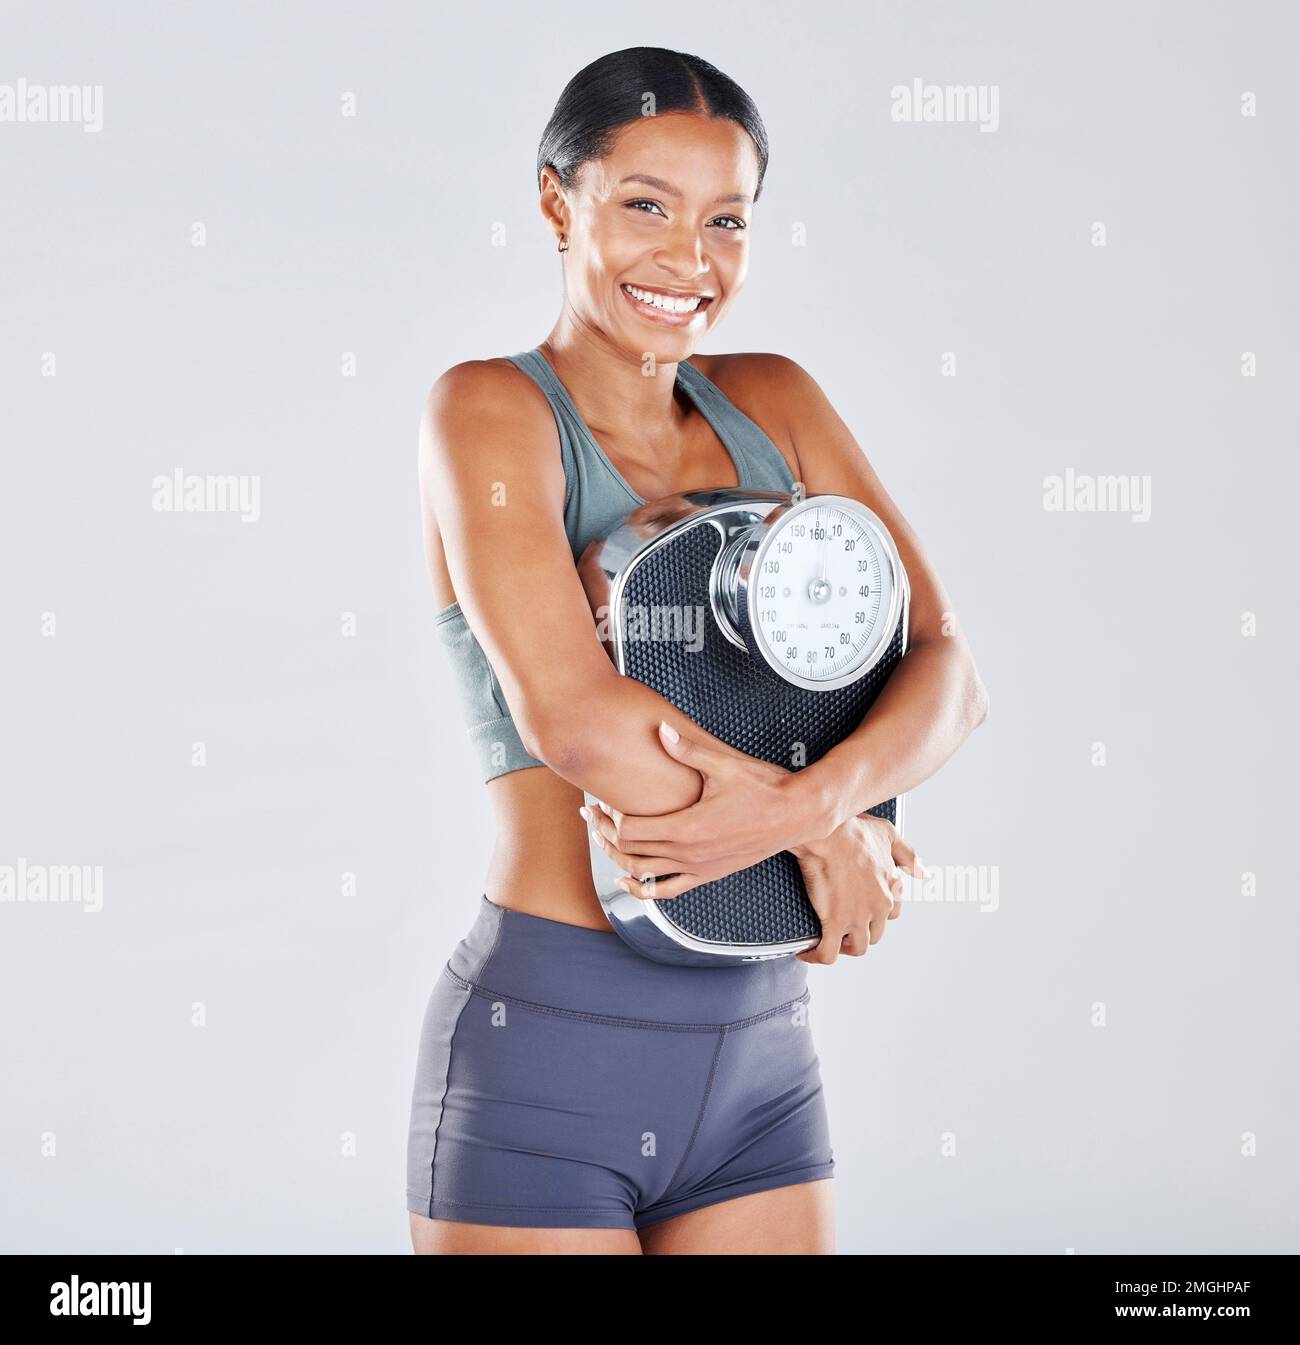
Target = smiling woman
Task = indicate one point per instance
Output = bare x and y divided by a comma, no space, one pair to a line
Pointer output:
570,1094
641,245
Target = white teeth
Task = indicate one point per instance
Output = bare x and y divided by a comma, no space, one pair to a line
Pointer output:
664,301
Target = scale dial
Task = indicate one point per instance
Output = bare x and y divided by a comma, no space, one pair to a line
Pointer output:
815,591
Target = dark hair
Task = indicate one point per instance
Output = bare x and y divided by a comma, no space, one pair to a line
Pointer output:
610,92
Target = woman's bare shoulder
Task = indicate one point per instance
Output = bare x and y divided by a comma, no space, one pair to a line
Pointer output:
495,386
486,421
750,369
774,385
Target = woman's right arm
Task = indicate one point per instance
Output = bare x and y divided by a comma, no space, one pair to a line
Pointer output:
492,479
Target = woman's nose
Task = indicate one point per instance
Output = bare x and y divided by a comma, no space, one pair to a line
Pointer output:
683,255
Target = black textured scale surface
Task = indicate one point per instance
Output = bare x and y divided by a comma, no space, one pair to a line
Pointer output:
747,705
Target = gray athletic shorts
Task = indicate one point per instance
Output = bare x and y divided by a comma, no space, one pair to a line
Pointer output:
564,1081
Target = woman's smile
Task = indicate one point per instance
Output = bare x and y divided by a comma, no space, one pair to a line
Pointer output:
668,308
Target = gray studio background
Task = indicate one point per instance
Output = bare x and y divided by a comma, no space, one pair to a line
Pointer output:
1106,1063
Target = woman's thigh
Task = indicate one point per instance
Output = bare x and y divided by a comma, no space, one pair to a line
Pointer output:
442,1237
790,1220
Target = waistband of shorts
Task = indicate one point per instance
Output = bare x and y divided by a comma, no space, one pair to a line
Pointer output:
573,969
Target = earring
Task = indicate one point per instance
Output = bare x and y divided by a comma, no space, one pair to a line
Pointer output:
563,245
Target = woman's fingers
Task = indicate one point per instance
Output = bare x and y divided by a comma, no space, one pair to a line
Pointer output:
896,894
848,939
659,889
907,859
619,830
604,830
705,756
612,813
829,948
855,941
643,866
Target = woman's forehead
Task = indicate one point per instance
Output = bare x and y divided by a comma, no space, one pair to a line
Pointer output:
692,153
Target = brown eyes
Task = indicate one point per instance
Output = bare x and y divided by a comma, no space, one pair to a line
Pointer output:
730,223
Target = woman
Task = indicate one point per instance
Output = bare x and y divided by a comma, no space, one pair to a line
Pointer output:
570,1095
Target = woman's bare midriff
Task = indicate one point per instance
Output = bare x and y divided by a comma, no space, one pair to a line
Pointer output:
541,863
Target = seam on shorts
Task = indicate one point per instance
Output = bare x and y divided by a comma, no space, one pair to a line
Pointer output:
607,1020
451,1051
442,1101
496,939
699,1116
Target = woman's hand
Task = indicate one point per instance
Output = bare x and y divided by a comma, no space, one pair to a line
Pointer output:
855,883
749,809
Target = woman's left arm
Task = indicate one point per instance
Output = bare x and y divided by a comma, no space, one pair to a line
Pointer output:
934,699
931,703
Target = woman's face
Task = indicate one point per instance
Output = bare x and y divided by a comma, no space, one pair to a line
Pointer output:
658,232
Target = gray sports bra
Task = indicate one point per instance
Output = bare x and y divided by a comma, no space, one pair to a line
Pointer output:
596,500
